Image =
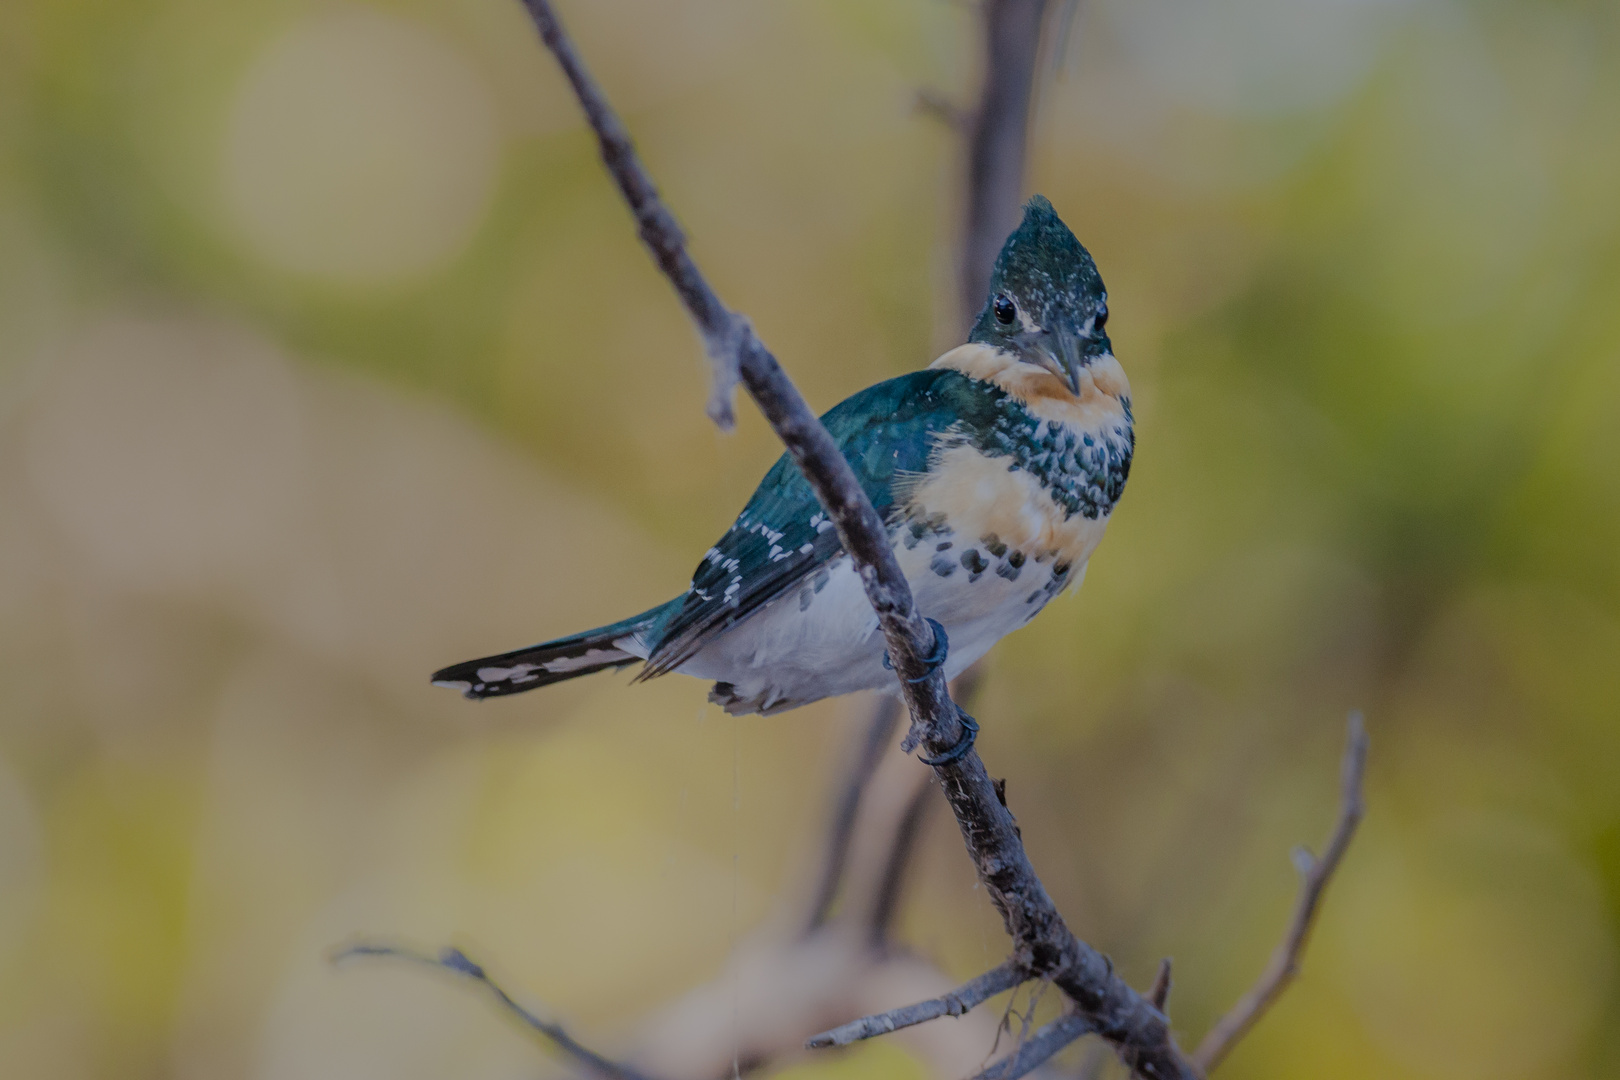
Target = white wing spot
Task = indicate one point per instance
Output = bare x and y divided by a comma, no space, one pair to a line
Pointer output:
501,674
591,658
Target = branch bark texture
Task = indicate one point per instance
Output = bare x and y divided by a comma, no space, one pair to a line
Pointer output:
968,996
1044,945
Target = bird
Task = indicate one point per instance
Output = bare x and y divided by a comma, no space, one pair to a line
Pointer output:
996,470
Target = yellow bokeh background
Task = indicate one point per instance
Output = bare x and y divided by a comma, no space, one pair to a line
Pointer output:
328,356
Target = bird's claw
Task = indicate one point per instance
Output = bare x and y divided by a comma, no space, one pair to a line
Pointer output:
970,732
934,660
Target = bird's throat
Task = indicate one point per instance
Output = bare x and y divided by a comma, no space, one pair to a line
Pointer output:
1104,395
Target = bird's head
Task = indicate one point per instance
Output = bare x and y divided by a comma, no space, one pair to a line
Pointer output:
1047,305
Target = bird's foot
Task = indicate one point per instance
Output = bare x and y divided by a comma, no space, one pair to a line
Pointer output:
970,732
932,663
934,660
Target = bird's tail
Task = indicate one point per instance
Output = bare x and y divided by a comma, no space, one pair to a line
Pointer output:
553,661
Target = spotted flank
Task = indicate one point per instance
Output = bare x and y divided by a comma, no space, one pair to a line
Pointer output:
996,471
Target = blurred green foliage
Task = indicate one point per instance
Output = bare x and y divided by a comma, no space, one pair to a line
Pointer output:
327,356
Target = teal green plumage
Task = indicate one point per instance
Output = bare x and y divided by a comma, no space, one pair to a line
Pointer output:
995,470
781,537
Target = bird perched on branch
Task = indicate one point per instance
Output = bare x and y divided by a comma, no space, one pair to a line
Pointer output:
996,469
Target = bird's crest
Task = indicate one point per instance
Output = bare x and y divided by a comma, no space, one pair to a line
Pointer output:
1043,268
1047,303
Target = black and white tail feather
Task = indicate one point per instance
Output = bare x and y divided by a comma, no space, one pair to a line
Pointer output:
550,661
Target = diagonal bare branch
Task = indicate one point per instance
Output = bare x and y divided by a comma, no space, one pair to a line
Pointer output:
731,339
1284,965
1044,945
456,962
1034,1051
968,996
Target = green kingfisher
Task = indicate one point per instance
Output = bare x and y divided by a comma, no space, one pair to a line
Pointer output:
996,468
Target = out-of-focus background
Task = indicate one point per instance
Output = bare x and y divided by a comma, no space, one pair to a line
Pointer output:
328,356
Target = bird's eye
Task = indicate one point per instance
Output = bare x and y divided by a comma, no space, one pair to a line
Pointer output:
1102,318
1006,311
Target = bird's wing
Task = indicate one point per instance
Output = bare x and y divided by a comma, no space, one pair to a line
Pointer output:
782,536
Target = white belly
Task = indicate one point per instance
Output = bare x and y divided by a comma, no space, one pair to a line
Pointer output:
821,643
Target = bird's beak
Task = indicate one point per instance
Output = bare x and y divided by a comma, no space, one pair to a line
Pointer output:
1060,352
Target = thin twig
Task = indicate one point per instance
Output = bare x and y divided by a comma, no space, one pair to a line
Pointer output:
963,999
1035,1050
456,962
1043,945
1285,959
1028,1019
1159,992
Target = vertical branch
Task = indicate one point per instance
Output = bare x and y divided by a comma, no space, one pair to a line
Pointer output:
998,145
